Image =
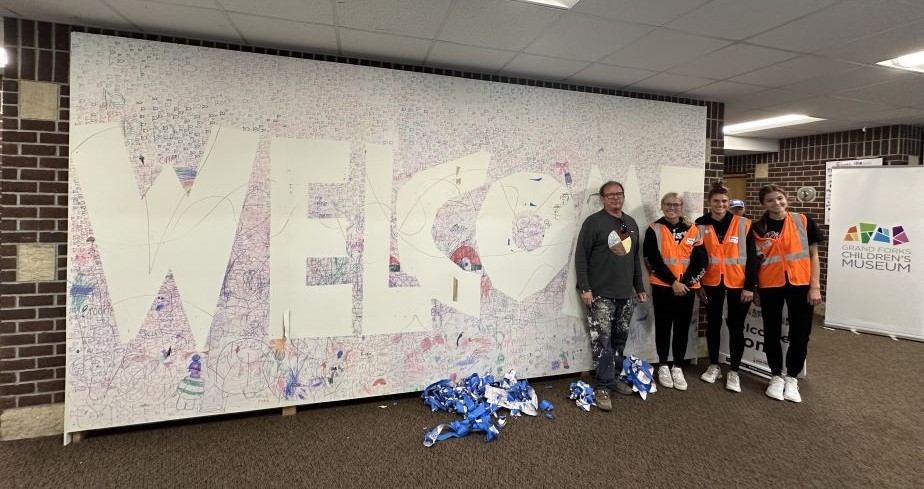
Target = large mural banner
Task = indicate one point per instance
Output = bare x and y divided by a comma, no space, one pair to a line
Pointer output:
251,231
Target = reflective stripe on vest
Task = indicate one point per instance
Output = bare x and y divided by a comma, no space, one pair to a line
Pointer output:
677,264
721,268
775,268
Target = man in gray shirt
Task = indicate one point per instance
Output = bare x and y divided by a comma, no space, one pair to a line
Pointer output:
609,275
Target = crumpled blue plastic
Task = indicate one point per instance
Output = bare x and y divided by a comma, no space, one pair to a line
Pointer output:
478,419
478,399
583,395
639,374
547,406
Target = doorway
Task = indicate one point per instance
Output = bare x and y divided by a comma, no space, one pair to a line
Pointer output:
737,186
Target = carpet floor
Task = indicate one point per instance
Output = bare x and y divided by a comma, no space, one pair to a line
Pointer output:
861,424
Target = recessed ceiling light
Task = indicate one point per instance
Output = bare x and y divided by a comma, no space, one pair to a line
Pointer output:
910,62
565,4
771,123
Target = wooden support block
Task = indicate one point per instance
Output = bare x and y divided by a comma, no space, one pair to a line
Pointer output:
288,410
77,436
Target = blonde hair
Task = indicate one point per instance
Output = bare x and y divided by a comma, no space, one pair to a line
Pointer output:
683,217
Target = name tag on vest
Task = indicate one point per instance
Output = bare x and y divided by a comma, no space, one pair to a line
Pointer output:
732,239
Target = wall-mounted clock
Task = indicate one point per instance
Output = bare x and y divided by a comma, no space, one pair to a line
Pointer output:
806,194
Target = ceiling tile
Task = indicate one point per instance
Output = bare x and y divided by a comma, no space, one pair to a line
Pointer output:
670,84
740,19
768,98
794,70
723,90
910,120
189,3
663,49
603,75
468,58
731,61
192,22
493,24
857,77
904,92
82,12
542,67
881,46
414,18
890,114
317,11
372,45
262,31
586,38
652,12
839,24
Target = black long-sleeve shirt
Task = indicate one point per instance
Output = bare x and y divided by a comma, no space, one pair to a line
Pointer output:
720,227
599,268
698,258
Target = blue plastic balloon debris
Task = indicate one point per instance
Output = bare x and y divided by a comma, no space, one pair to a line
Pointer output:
583,395
478,399
640,375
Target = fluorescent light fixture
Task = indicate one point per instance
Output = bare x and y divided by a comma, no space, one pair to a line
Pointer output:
4,59
910,62
771,123
565,4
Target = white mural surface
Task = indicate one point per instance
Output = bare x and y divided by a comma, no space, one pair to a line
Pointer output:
250,231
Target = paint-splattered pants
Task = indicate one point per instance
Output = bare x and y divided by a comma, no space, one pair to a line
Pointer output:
609,329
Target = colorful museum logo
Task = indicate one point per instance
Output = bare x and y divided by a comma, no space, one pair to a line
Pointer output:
865,232
869,246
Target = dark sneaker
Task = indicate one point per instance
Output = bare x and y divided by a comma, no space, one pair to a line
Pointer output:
603,400
624,388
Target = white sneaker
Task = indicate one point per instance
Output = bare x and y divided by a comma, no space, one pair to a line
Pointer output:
664,377
713,373
733,383
775,389
680,383
791,389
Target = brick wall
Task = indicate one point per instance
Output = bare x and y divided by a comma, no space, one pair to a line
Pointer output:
801,162
34,199
34,166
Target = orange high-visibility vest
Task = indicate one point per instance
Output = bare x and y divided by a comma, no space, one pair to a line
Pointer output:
727,259
786,256
675,255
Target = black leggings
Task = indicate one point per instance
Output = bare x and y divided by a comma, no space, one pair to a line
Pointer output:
672,313
737,312
800,326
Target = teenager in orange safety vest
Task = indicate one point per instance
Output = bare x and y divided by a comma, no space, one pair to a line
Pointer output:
676,261
724,237
783,264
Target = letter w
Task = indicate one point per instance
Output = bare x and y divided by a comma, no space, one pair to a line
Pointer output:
143,238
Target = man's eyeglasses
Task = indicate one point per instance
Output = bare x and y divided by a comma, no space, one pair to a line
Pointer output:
614,195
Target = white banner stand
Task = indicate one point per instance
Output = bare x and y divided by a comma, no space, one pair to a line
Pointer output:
875,273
